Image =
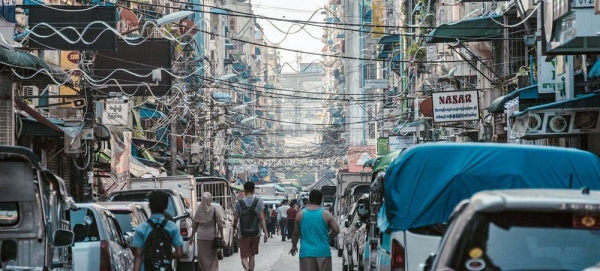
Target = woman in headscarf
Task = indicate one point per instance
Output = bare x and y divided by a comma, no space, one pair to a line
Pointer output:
206,223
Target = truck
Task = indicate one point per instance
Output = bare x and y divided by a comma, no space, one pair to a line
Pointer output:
35,233
343,180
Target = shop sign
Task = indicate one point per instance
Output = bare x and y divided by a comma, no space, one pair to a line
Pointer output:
115,112
401,142
449,106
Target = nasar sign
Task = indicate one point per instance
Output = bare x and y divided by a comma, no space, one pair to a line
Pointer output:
451,106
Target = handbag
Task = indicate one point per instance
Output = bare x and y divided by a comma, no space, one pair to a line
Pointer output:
217,243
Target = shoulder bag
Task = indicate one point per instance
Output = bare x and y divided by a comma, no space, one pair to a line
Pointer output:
217,242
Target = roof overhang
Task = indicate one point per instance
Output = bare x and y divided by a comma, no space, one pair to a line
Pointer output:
483,28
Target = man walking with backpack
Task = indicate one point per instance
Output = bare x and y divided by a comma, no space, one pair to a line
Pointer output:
249,211
155,239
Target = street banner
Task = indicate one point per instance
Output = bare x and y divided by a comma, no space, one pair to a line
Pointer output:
120,158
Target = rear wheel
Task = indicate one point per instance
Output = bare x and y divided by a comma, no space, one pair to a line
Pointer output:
235,245
340,252
227,250
220,254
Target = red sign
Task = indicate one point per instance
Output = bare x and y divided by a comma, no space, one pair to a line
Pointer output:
74,57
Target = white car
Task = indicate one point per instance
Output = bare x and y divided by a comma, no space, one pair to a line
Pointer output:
99,242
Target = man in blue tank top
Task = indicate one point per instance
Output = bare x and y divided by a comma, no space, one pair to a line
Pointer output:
314,227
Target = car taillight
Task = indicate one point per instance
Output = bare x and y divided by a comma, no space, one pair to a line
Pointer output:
397,256
105,263
183,230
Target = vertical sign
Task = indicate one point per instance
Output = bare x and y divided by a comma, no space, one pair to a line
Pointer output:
546,73
383,146
115,112
69,62
451,106
120,158
377,13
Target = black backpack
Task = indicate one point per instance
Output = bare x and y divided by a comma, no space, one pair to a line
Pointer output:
158,249
249,219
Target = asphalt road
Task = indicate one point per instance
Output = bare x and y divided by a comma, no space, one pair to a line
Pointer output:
273,255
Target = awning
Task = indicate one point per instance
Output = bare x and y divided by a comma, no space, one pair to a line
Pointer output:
239,67
257,51
595,70
591,100
228,44
219,11
222,97
24,60
477,29
497,106
387,44
53,124
149,113
332,20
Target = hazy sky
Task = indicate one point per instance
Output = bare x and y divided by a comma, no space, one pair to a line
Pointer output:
293,10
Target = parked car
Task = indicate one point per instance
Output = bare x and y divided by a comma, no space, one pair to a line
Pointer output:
34,209
353,192
177,208
129,215
228,233
354,234
425,182
523,229
99,242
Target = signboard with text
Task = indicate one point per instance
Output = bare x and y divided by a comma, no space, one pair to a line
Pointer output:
451,106
401,142
115,112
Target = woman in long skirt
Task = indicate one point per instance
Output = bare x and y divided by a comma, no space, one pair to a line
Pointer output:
206,222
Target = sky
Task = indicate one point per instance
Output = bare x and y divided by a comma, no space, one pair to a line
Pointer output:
292,10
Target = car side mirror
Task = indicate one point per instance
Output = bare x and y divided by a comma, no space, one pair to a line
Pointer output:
63,238
346,223
128,238
358,224
183,216
428,262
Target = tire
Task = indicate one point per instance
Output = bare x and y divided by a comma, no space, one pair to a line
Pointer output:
227,250
220,254
332,242
182,266
340,252
345,268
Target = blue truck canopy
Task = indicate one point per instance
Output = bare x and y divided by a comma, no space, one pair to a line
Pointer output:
425,182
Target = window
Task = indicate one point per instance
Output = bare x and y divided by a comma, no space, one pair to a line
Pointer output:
142,197
125,220
85,226
9,213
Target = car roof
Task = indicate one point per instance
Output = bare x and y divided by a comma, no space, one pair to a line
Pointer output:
94,206
137,191
536,199
121,205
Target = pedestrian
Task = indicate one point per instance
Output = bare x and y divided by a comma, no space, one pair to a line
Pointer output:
249,211
207,222
273,224
314,226
291,217
154,240
304,203
282,217
268,219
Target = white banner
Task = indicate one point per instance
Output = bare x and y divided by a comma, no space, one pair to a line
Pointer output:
115,112
401,142
451,106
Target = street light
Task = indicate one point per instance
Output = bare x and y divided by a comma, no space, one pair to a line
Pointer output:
167,19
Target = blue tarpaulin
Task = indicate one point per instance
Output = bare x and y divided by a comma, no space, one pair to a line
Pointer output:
425,182
149,113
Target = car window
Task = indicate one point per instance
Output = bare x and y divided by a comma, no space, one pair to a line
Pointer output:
9,213
126,220
141,197
534,241
115,230
84,225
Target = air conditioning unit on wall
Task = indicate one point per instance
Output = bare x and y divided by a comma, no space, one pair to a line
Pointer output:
27,91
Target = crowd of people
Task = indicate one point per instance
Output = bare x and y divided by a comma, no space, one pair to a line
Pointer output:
309,224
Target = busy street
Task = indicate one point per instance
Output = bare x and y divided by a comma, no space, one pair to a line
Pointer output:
311,135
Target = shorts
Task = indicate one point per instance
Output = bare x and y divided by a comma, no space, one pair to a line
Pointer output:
249,246
315,264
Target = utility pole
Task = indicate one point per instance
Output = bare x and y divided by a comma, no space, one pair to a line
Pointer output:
210,139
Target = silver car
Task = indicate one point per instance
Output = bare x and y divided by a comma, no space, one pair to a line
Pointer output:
129,215
99,243
522,229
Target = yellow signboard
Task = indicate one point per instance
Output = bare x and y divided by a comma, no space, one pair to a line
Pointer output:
378,20
69,62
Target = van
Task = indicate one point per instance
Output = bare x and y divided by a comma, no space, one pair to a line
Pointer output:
425,182
34,227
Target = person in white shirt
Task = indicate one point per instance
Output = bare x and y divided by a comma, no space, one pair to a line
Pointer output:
282,217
